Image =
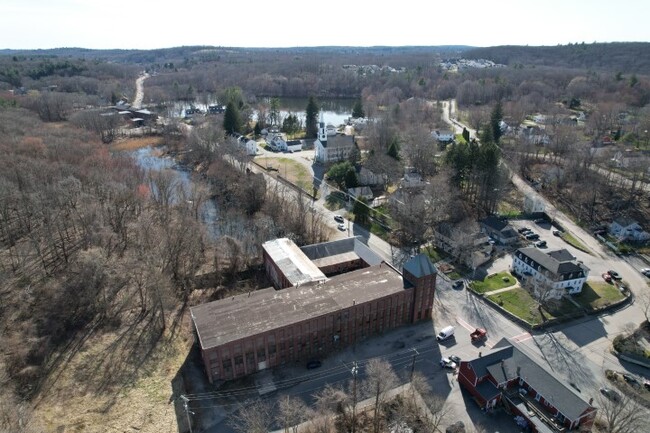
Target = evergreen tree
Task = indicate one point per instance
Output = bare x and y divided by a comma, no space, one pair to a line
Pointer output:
231,120
311,118
291,124
393,149
351,179
357,110
257,130
495,119
466,135
274,113
343,175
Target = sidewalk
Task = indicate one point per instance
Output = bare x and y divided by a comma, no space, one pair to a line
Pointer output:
505,289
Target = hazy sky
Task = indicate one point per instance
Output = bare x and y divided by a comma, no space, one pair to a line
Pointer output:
148,24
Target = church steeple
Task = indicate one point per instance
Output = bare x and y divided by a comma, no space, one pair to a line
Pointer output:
322,133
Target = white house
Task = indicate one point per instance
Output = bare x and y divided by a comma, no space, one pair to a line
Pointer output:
251,147
411,179
332,149
533,204
551,275
330,129
443,136
626,229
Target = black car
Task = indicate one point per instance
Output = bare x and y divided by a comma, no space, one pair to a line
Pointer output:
314,363
615,275
458,284
631,380
523,229
338,218
610,394
532,236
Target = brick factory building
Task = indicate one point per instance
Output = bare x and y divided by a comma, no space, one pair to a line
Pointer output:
315,315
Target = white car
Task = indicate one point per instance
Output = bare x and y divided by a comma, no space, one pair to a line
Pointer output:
447,363
341,227
646,272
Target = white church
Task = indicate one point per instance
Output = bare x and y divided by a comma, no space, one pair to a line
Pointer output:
332,148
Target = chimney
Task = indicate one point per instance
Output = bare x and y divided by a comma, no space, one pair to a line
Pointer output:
354,302
591,400
518,371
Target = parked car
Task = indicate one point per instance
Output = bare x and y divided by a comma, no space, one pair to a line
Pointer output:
540,244
610,394
646,272
532,236
314,363
458,284
523,229
478,335
615,275
338,218
447,363
341,227
607,277
557,233
631,380
455,358
540,221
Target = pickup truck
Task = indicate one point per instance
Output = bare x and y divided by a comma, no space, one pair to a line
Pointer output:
478,335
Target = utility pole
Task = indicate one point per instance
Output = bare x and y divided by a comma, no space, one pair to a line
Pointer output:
187,412
354,371
415,353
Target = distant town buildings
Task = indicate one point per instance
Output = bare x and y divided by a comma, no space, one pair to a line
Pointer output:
460,64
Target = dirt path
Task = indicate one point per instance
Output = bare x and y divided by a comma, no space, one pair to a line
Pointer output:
139,90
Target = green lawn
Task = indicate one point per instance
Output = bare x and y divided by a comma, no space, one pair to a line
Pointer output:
494,282
520,303
597,294
571,240
433,254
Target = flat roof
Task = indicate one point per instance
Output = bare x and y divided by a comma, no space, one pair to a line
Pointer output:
340,251
293,263
242,316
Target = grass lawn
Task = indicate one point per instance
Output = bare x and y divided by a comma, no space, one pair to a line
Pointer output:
569,239
433,253
520,303
494,282
291,170
597,294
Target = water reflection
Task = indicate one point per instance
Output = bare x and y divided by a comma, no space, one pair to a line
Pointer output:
153,159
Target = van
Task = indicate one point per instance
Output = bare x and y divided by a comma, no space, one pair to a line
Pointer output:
445,333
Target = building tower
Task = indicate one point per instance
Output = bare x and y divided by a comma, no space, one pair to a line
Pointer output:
322,133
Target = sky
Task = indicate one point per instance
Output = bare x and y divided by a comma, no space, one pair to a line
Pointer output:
148,24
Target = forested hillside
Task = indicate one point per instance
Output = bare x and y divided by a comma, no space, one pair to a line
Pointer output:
615,57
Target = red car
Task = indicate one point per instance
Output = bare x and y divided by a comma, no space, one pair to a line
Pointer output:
607,277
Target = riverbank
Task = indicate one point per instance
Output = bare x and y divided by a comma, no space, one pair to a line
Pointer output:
129,144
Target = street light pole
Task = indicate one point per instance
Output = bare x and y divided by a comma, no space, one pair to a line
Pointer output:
187,412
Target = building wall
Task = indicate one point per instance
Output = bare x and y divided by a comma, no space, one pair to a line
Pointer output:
341,268
312,338
274,272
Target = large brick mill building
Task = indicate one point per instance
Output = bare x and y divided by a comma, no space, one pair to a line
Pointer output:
311,314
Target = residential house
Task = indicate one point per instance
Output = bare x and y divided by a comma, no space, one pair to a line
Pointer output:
443,136
533,204
499,229
627,229
332,149
331,130
509,376
411,179
367,177
464,242
551,275
361,192
250,145
534,135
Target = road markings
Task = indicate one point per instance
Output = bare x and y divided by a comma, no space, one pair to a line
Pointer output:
521,337
464,324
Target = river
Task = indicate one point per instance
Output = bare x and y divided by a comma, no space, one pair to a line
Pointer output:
149,158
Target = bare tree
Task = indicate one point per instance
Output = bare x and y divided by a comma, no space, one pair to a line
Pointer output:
291,413
379,381
622,414
253,417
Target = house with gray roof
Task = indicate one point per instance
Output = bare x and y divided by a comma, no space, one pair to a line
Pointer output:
335,148
509,376
552,274
499,229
